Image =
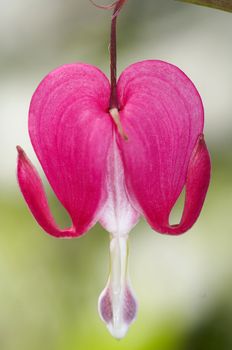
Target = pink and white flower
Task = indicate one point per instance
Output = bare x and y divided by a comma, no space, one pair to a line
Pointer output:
115,165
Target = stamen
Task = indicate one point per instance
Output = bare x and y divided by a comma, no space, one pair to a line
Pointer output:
116,118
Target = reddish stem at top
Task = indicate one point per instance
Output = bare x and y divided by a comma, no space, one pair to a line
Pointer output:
113,55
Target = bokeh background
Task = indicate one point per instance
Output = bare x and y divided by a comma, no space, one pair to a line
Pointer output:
49,288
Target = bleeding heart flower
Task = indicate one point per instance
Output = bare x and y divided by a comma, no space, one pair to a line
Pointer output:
115,162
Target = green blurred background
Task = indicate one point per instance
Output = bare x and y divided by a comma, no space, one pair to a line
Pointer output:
49,288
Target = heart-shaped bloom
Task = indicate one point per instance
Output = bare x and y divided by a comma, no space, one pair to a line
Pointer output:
97,175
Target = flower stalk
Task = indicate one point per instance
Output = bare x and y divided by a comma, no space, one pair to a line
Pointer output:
114,105
113,55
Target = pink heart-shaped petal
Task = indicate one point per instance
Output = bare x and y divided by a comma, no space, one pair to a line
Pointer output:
163,116
71,131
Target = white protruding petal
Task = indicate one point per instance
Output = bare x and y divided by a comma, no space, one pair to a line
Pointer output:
117,305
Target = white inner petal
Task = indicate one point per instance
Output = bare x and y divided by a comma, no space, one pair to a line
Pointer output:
117,304
118,216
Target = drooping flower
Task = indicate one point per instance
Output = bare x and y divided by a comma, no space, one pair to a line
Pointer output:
115,162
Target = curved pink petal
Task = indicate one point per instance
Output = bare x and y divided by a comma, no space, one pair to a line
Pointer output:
162,114
34,194
197,183
71,131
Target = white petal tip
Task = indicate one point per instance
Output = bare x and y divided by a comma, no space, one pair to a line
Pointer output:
118,332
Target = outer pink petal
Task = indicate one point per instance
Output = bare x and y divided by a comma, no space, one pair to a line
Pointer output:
71,130
162,114
33,192
197,183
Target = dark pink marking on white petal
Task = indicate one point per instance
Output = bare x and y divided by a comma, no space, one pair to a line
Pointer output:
162,114
105,306
130,308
